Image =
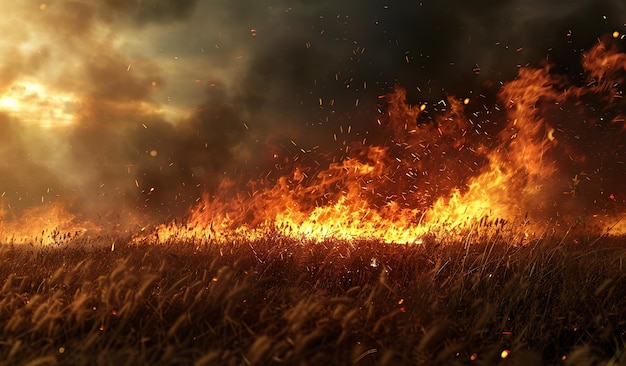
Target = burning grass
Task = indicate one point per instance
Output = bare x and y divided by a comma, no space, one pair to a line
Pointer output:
279,300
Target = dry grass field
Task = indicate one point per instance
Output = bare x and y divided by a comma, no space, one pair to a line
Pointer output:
483,300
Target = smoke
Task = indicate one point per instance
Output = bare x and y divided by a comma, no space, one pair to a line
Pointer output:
136,108
23,180
149,11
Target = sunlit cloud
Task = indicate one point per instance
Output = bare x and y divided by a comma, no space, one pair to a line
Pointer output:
32,104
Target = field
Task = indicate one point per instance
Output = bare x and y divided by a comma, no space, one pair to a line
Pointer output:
487,298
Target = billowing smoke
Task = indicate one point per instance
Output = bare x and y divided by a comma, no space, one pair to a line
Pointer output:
134,109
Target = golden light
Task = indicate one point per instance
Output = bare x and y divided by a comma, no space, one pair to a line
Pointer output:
9,104
33,103
46,224
505,353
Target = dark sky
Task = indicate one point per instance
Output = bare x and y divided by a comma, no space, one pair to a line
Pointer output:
140,106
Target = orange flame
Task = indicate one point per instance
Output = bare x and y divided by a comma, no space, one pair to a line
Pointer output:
428,177
44,225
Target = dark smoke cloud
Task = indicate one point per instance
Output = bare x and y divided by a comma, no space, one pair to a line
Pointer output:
169,97
150,11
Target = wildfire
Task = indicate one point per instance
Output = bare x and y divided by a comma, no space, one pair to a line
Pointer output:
44,225
440,176
437,177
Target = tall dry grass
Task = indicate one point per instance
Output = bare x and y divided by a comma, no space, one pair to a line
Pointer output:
551,300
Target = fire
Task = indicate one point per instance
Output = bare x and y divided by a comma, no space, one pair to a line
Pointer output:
435,169
45,225
437,176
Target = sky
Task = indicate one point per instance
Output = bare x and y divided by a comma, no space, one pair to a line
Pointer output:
135,108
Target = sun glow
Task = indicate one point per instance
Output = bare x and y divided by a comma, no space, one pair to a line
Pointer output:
34,104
